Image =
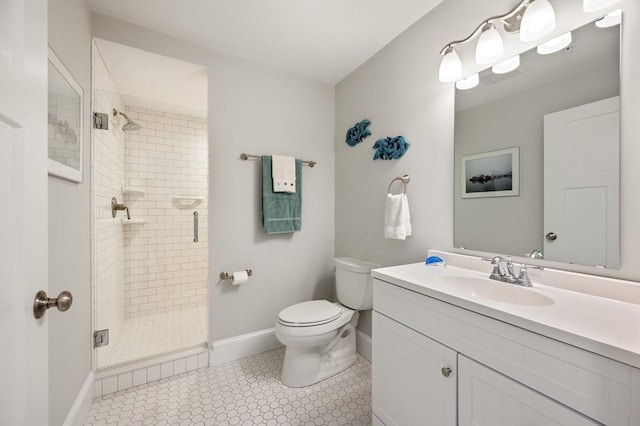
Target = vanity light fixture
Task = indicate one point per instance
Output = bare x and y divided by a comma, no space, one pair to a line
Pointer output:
506,66
468,82
595,5
609,20
555,44
490,47
533,19
451,66
538,21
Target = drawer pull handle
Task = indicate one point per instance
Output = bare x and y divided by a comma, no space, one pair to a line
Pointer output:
446,371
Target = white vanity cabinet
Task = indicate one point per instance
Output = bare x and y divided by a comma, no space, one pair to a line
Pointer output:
500,374
408,380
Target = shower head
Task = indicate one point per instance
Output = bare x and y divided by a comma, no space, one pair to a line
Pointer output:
130,125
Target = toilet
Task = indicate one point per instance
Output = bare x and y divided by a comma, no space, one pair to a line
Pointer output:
320,336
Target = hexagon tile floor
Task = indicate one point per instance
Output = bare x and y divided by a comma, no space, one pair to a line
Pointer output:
242,392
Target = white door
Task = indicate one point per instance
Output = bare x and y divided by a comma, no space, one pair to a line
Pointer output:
487,398
23,211
409,385
581,184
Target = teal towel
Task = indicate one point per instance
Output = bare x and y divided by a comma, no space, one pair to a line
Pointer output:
281,211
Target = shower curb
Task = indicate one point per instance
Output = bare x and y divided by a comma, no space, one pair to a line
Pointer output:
128,376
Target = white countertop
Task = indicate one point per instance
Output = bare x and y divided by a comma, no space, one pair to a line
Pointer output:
605,326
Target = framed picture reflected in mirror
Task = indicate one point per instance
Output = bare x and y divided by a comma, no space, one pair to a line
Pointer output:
491,174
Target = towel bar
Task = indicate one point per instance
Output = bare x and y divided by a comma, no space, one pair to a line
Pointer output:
245,156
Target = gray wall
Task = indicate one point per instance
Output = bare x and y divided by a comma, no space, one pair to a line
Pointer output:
259,110
514,224
69,226
399,91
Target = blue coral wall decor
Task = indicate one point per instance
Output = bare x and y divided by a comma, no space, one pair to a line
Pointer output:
358,132
390,148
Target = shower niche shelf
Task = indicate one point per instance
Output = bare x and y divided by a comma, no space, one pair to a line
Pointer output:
134,192
187,201
136,221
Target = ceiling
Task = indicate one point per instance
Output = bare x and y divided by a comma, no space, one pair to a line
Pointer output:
151,81
321,39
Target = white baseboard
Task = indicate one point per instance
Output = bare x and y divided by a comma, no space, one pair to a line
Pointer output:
363,344
82,404
243,346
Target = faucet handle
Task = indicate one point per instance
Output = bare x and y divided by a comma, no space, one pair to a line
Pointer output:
523,277
497,273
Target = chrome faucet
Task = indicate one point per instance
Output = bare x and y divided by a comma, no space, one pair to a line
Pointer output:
535,254
503,271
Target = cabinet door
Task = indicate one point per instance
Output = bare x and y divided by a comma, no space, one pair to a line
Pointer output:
409,387
486,397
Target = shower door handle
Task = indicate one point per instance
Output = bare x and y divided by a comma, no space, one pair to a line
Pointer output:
195,227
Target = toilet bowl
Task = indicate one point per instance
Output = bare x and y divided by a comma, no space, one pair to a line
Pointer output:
320,336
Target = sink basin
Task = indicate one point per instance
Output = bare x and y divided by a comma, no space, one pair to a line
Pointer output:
497,291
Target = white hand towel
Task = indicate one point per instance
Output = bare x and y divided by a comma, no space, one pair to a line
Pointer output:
283,172
407,215
397,223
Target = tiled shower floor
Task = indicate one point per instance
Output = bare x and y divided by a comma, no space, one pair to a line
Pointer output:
243,392
146,336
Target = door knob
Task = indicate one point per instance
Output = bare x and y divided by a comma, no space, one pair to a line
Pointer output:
446,371
551,236
42,302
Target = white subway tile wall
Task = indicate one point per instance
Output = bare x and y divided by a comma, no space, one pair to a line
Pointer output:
164,268
64,129
107,175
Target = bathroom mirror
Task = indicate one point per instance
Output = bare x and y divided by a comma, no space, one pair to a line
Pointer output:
517,110
65,126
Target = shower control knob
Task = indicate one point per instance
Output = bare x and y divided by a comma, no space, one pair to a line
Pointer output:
42,302
446,371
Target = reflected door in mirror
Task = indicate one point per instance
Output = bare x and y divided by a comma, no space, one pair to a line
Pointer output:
581,184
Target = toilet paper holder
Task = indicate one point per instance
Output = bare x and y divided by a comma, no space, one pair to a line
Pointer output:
229,276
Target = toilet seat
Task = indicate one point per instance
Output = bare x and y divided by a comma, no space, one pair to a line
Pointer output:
309,314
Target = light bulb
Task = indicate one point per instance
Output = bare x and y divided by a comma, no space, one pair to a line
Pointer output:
450,67
469,82
594,5
609,20
490,47
555,44
506,66
538,20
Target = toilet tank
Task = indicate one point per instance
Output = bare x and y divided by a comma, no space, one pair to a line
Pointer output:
354,286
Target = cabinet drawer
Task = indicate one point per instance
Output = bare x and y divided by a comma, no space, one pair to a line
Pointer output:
598,387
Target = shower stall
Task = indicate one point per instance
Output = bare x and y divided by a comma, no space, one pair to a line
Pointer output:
149,212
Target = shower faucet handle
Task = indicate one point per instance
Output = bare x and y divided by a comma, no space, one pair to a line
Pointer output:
115,207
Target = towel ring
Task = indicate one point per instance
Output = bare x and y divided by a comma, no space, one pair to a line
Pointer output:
405,179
